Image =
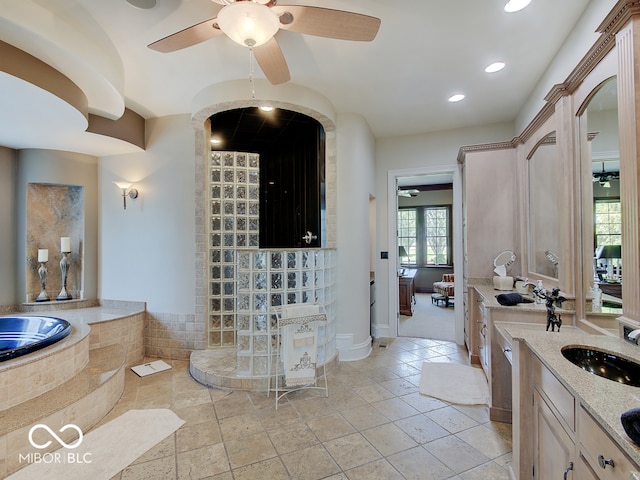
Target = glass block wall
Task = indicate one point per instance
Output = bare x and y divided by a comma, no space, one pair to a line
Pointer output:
234,203
267,278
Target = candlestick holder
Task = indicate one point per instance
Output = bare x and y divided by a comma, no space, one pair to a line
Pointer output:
42,273
64,268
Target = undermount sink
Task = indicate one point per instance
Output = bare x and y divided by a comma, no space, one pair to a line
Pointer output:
603,364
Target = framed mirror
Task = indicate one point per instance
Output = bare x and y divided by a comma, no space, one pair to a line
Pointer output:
543,223
601,209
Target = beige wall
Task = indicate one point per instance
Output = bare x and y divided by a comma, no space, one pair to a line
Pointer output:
8,257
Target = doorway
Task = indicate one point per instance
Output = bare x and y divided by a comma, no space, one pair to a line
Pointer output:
425,218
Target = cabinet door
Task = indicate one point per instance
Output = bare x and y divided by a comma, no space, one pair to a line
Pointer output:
583,470
483,341
554,448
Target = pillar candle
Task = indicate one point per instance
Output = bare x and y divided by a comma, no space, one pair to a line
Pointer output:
65,244
43,255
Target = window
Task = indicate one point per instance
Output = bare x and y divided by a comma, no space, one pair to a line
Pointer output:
607,222
425,233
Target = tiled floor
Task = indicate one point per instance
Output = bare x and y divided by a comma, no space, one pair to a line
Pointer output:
374,425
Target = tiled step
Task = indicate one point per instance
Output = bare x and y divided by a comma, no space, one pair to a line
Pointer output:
217,367
83,401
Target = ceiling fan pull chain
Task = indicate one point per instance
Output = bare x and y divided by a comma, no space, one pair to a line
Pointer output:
251,60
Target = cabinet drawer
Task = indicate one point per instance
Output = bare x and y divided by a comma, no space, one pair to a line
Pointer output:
504,346
558,395
595,442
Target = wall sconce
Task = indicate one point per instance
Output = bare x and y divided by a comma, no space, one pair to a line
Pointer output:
126,191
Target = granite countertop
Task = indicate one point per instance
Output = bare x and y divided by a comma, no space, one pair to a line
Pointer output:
604,399
489,294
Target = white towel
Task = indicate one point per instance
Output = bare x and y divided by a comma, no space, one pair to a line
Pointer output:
299,354
296,310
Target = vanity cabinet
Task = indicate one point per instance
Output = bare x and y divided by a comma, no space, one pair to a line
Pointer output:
553,426
559,438
477,328
600,452
554,455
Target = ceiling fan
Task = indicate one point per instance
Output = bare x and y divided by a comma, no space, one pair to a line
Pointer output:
604,178
412,192
253,23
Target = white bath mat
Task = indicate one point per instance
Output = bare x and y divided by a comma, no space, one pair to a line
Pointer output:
454,383
107,450
150,368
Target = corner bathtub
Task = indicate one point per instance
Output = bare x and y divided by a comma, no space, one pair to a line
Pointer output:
22,335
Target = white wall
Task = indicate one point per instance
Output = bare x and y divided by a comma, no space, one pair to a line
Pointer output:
147,252
8,237
355,155
438,149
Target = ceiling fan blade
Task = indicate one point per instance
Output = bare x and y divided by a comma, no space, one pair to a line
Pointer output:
189,36
271,60
326,22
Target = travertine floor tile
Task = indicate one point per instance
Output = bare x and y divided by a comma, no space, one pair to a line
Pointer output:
418,464
388,439
331,426
292,437
351,451
455,454
451,419
311,463
373,425
378,470
421,428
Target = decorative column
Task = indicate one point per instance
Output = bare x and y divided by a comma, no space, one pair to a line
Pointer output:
628,48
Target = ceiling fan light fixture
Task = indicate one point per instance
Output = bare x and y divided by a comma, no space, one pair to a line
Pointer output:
516,5
494,67
248,23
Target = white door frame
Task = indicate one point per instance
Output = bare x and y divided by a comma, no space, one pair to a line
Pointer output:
458,255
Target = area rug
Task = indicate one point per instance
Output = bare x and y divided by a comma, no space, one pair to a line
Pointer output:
105,451
454,383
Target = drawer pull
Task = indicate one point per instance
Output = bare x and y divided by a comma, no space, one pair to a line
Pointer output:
604,462
569,468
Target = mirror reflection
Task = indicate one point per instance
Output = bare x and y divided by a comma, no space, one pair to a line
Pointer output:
602,207
542,166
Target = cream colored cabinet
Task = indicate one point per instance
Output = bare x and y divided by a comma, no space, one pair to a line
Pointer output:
554,455
601,453
584,471
484,341
475,326
559,436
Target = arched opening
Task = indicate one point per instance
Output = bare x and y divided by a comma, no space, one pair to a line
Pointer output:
251,362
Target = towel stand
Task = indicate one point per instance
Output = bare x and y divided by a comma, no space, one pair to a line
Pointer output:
297,336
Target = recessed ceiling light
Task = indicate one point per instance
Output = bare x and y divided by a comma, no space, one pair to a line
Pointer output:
516,5
456,98
494,67
266,108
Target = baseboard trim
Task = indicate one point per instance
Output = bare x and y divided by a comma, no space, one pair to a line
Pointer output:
348,352
381,331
